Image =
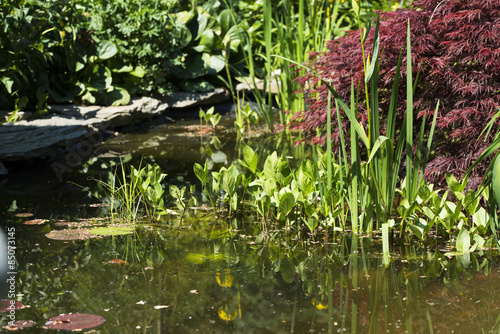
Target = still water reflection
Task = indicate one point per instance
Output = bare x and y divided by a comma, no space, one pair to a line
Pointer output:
203,277
209,275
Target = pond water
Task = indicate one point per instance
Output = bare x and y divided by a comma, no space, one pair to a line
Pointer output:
213,275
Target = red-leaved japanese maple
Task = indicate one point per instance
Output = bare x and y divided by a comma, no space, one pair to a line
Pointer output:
456,45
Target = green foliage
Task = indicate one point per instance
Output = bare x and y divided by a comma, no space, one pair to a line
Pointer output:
209,116
132,193
48,56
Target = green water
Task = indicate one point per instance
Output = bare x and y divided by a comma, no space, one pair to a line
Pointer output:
208,275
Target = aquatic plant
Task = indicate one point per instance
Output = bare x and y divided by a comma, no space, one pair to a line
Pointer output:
134,193
454,45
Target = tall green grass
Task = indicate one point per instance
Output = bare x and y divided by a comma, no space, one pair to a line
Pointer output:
371,186
291,29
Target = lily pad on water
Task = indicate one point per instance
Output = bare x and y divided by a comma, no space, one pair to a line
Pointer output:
112,230
18,324
74,321
6,305
70,234
23,214
35,222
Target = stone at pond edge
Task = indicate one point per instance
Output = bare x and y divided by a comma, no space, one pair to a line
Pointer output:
73,125
74,321
70,234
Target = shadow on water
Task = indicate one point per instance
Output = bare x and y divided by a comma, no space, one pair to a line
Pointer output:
212,275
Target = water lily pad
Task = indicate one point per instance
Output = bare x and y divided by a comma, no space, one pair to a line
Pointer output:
112,230
70,234
74,321
6,305
18,324
23,214
35,222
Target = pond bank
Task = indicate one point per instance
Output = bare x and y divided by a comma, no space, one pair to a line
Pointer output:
68,133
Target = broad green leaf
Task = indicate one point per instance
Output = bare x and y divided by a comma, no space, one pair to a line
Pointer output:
201,173
225,22
471,201
100,78
206,42
106,50
138,72
287,201
495,183
184,16
481,217
217,64
251,158
418,228
463,241
311,223
8,82
456,187
464,259
479,241
116,96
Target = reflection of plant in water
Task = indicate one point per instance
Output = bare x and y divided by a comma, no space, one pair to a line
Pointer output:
224,280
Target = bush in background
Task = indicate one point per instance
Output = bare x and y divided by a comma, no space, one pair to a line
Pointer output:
456,45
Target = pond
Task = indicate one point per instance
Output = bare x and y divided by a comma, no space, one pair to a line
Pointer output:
208,274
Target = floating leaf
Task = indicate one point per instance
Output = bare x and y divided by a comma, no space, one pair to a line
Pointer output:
9,305
35,222
18,324
112,230
70,234
23,214
74,321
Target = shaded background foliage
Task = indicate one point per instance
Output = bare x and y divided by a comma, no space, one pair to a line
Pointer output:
456,48
102,51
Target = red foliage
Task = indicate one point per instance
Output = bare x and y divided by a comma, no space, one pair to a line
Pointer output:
456,43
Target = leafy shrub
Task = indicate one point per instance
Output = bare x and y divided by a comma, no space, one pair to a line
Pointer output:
100,51
456,45
47,56
144,33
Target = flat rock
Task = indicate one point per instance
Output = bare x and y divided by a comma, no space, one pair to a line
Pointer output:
178,100
26,140
68,125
